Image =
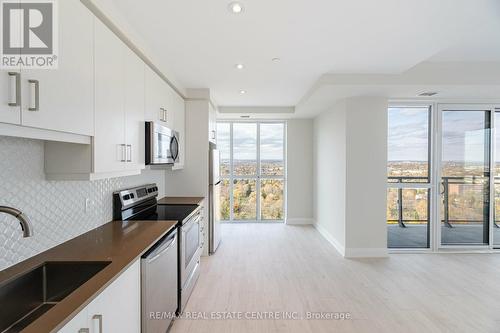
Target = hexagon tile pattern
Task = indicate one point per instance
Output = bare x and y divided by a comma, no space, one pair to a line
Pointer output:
56,208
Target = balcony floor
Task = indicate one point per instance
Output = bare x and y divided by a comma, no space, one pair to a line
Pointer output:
415,235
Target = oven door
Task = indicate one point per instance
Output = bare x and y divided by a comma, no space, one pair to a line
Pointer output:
190,251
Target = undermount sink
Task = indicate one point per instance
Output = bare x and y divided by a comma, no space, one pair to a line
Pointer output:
27,297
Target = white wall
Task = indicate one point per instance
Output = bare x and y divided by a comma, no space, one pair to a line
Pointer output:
350,156
330,174
299,171
56,208
193,179
366,188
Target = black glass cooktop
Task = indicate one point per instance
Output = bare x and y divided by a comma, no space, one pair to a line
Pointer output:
165,212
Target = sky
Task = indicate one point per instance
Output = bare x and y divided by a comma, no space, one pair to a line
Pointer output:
463,135
245,141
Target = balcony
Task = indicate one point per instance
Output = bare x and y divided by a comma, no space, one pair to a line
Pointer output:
464,206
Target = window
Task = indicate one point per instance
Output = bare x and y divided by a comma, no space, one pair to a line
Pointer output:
253,171
408,176
451,201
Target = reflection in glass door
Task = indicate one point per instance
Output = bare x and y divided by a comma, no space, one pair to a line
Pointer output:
465,177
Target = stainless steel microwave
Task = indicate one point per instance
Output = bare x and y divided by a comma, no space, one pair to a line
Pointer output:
162,144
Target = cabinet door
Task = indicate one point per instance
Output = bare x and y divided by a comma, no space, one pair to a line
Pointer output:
10,97
155,97
134,110
109,139
66,97
118,307
169,100
10,92
212,124
80,321
180,126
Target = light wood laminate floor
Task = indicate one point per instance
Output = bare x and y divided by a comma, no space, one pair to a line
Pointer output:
280,268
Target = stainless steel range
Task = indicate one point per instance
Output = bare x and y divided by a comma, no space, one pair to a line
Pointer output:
140,203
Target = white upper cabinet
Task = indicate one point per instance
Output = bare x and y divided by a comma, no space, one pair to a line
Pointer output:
134,111
157,99
179,119
212,124
166,107
109,140
10,97
118,144
65,95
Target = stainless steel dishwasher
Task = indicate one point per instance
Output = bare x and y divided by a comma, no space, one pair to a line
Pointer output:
159,285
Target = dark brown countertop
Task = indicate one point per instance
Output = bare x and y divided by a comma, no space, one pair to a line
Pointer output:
120,243
181,200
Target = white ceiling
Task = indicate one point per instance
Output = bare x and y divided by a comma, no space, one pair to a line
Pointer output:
200,41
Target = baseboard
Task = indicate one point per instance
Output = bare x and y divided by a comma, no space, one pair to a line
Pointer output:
339,247
366,253
352,252
299,221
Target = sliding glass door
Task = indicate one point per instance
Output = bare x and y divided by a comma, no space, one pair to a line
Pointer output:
443,176
465,176
253,171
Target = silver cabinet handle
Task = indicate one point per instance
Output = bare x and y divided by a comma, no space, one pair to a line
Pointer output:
124,152
15,87
163,114
99,318
83,330
34,95
129,153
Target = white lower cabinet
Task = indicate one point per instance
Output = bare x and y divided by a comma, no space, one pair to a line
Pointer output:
78,324
116,309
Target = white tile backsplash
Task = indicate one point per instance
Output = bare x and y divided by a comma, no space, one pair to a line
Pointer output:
56,208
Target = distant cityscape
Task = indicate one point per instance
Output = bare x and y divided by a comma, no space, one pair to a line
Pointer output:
245,194
465,191
249,167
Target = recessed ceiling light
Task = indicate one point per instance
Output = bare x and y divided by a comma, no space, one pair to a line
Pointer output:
244,116
276,59
239,66
243,92
235,7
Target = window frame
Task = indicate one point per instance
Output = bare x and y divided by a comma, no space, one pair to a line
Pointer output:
401,186
258,177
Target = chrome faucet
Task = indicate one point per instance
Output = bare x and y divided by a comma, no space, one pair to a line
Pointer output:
23,219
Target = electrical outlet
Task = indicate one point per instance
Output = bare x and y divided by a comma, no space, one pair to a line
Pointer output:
88,205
